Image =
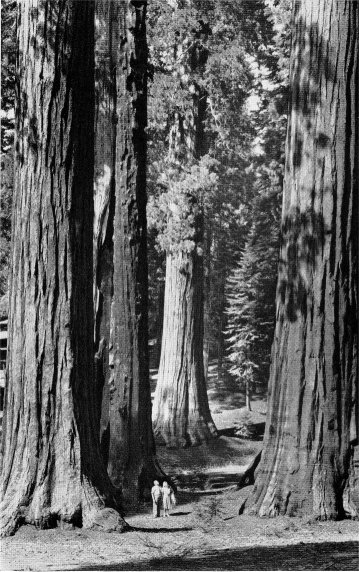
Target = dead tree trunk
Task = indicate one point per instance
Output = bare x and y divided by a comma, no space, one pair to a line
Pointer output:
307,466
132,464
52,471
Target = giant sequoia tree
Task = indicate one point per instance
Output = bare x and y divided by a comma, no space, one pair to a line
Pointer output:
121,249
311,433
51,465
181,412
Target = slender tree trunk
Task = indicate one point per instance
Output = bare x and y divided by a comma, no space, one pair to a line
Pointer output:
311,434
132,464
220,334
207,299
220,272
182,415
106,40
52,471
248,397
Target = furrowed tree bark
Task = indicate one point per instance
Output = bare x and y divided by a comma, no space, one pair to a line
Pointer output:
106,40
181,414
311,439
132,463
207,269
52,471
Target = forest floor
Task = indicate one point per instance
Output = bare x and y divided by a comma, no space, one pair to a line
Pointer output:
204,531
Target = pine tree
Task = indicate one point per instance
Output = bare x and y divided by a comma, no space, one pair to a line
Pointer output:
251,285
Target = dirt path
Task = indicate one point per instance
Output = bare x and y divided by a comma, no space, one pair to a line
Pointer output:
203,533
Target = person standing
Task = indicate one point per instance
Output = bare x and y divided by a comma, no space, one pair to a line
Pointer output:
168,498
156,493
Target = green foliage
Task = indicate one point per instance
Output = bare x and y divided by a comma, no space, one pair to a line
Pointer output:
198,199
198,48
238,50
251,286
7,185
8,49
209,514
184,198
251,296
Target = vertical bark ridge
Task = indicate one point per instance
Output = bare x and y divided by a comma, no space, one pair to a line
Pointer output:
126,411
51,469
309,451
182,415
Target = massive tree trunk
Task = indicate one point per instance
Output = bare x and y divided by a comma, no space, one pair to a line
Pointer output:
52,470
126,428
181,414
311,437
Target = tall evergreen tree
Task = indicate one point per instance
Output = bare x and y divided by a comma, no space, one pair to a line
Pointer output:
199,56
251,285
250,297
311,440
180,411
51,465
120,248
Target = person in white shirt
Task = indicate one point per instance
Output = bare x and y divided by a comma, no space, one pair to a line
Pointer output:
156,493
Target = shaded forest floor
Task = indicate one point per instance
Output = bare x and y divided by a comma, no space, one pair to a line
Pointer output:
204,531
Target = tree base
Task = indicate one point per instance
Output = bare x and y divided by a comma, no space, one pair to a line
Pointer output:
137,484
104,520
45,509
176,437
287,503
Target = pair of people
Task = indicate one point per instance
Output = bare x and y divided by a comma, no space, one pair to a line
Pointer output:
164,494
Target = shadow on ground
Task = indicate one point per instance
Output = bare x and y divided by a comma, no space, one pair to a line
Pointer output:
255,431
313,556
146,529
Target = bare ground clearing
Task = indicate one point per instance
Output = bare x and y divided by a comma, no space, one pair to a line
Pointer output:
197,536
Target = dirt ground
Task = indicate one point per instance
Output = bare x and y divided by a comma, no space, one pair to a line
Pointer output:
204,531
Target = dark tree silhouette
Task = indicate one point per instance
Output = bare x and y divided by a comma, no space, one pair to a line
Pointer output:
311,439
52,470
106,37
121,249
